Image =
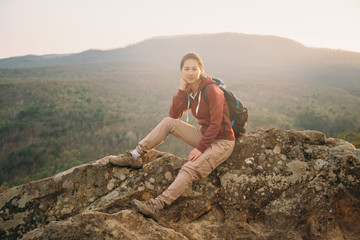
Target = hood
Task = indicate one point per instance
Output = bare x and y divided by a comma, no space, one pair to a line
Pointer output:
203,83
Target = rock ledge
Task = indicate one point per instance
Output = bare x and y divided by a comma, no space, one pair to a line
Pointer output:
276,184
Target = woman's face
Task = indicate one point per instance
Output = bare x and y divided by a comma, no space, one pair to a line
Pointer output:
191,71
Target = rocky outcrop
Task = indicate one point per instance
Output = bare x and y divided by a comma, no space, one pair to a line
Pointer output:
276,185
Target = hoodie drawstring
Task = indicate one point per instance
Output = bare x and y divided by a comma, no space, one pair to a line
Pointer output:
197,108
187,112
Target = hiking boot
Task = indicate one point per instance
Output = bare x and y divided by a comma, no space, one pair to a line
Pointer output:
147,208
126,160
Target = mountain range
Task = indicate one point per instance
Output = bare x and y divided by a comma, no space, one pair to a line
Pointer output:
233,55
232,49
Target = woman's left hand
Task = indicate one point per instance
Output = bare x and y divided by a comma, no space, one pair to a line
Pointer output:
194,154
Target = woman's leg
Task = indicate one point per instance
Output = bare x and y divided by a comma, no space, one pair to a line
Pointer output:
217,153
180,129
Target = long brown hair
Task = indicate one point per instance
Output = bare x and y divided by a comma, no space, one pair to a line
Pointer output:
196,57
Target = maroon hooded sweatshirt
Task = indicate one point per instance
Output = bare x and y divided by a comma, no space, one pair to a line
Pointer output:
214,123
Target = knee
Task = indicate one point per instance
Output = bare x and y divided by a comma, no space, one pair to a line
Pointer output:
191,171
168,123
168,120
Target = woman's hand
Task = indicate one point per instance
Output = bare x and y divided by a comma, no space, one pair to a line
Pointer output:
183,84
194,154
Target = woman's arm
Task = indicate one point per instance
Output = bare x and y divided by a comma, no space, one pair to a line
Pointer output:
180,101
183,84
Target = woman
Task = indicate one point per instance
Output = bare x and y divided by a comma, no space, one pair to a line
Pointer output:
213,143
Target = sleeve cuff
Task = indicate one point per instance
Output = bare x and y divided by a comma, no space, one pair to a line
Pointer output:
201,148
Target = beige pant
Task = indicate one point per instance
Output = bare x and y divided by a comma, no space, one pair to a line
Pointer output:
217,153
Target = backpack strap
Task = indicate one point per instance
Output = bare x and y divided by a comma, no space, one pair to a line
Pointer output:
207,100
218,82
204,92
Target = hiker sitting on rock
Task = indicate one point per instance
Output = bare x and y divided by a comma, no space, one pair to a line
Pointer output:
213,143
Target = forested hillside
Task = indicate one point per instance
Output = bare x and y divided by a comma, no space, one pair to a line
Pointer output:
56,117
64,116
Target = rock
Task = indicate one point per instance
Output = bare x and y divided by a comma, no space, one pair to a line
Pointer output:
276,185
298,170
277,150
319,164
249,160
126,224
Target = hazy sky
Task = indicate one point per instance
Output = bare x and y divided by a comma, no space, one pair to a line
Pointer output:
66,26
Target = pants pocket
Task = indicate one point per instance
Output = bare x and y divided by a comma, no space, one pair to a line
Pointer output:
211,162
217,153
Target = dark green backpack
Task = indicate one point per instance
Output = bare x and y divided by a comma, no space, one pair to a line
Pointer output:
239,115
